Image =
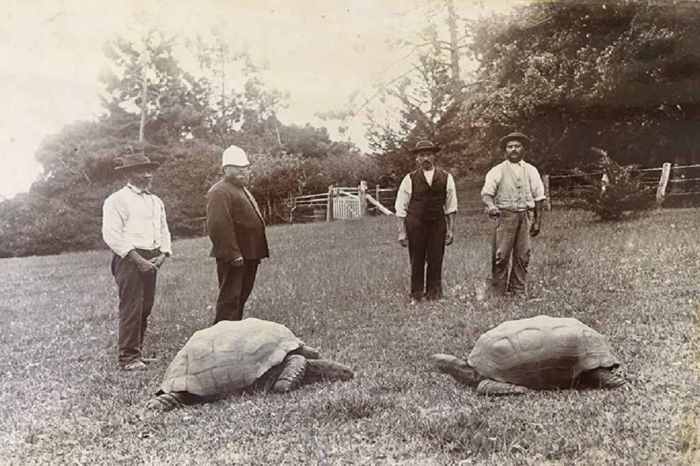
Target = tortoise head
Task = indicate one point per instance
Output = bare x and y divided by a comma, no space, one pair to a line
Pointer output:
325,369
459,369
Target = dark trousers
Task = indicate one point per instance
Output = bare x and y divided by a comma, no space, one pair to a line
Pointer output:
511,251
136,294
235,285
426,249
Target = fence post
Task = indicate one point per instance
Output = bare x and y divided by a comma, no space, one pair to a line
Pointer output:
292,203
663,182
329,205
362,195
377,194
548,200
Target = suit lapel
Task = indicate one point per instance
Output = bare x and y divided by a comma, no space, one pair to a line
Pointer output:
251,199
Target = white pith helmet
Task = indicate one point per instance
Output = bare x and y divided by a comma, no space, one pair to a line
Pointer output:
235,156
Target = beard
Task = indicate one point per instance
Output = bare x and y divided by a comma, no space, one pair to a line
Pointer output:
427,165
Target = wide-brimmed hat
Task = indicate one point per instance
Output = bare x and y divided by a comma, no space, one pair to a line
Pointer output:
515,136
425,146
130,162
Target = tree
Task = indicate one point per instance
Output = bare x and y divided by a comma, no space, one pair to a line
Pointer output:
145,75
574,74
427,102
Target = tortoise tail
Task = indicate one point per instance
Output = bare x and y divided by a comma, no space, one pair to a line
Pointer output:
292,374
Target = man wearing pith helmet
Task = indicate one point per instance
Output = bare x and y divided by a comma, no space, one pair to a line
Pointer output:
237,232
426,205
135,228
514,194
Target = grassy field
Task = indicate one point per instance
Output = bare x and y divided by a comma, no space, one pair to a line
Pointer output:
343,287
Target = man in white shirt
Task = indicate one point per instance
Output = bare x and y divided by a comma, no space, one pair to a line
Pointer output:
513,192
426,205
135,228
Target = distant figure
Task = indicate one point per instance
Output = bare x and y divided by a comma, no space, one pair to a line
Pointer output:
426,205
237,232
135,228
514,195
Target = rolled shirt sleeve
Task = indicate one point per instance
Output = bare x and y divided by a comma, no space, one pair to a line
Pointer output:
491,181
451,199
113,225
536,185
403,197
165,238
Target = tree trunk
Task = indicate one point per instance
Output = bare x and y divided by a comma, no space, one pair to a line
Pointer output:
454,42
144,97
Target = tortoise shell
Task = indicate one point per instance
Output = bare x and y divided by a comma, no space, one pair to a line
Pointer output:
541,352
228,356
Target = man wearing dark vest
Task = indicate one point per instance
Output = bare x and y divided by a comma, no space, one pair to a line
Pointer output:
237,232
514,195
426,205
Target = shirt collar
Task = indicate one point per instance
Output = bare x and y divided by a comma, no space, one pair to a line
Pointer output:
137,190
429,172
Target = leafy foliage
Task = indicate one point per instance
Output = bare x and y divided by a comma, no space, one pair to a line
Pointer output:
573,74
618,192
189,120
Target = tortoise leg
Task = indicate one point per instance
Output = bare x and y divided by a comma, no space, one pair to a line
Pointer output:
456,367
325,369
293,370
168,401
309,352
493,387
602,378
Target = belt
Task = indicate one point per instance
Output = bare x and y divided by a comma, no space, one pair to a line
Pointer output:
148,253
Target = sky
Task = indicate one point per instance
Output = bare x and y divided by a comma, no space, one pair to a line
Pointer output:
321,52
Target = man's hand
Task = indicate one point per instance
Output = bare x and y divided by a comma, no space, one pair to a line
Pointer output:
493,211
535,229
403,240
237,262
449,237
143,265
158,260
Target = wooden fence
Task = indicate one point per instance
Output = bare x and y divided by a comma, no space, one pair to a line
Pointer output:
671,181
342,202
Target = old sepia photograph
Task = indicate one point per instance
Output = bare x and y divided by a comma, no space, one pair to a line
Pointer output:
350,232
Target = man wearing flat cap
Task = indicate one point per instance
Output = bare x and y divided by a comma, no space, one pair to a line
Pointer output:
513,193
237,232
426,205
135,228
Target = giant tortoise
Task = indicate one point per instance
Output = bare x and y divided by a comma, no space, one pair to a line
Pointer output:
233,356
537,353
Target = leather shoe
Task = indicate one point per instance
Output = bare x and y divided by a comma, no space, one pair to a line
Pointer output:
136,365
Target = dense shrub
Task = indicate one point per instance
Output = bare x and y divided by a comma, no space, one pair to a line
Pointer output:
618,193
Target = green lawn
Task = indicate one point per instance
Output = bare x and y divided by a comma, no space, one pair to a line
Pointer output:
343,287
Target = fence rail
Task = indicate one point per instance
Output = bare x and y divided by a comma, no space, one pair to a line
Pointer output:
342,202
670,181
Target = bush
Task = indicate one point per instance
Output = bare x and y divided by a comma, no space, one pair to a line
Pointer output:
619,193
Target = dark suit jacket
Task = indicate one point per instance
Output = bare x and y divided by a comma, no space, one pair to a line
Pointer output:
235,226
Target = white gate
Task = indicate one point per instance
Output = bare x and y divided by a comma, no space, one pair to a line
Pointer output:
345,205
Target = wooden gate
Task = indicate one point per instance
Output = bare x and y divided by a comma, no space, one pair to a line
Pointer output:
346,203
